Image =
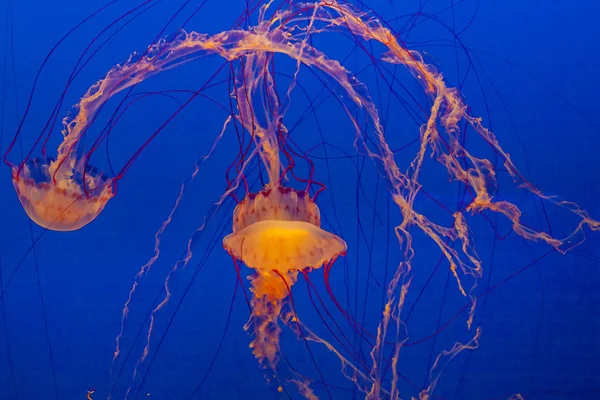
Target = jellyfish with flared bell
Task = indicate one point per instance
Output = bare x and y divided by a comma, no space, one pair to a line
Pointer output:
277,233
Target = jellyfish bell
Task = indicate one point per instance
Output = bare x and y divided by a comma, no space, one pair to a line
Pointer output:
277,232
61,203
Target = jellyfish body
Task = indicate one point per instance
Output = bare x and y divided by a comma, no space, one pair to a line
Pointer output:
277,233
279,230
60,204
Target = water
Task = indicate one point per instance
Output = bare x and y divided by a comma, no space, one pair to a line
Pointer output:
530,74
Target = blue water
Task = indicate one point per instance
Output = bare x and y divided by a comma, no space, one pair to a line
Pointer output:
531,76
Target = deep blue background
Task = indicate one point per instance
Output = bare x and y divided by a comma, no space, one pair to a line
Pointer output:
541,331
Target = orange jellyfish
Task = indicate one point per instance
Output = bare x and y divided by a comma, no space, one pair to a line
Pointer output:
63,193
277,233
60,205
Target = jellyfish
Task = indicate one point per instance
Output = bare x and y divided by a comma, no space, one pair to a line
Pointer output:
62,193
60,204
277,233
